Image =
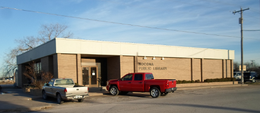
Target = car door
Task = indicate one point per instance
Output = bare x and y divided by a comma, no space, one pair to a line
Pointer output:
125,82
138,83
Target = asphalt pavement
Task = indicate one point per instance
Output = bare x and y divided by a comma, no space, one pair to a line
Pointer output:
15,100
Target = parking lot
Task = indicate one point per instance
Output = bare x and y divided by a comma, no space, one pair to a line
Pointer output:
228,100
16,100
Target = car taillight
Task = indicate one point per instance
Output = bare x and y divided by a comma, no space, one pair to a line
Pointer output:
65,90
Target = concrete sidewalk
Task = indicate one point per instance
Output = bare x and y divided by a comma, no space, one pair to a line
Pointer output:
15,100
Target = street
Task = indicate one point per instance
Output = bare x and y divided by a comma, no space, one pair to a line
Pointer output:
213,100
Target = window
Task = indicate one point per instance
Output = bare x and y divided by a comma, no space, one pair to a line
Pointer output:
127,77
64,82
148,76
38,67
51,82
138,76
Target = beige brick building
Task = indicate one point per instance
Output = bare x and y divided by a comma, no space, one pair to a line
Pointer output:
87,62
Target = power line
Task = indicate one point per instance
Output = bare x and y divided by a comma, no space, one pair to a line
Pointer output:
251,30
230,4
126,24
189,3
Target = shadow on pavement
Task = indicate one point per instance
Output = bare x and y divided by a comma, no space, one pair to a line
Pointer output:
131,94
9,107
15,100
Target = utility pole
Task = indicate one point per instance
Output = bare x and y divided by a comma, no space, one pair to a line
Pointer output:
241,22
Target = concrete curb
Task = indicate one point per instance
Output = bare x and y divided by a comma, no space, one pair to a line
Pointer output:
213,86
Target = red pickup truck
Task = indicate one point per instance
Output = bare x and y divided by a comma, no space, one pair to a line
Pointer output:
141,82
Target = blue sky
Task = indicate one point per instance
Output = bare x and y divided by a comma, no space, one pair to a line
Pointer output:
203,16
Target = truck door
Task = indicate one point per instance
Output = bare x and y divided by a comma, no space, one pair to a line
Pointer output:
49,87
138,83
125,83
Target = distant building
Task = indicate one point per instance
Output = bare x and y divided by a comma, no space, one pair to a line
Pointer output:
87,61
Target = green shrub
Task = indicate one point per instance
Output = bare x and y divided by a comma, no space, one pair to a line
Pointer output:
220,80
206,80
197,81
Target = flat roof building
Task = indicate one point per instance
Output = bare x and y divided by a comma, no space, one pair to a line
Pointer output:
91,63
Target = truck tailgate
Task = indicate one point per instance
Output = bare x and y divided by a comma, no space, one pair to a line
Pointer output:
171,83
77,91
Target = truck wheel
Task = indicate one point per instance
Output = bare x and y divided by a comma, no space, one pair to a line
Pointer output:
164,94
44,96
114,91
80,100
253,80
59,99
155,92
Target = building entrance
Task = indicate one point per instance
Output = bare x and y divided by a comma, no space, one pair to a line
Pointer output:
90,76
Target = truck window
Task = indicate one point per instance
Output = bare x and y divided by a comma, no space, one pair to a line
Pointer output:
127,77
64,82
148,76
51,82
138,76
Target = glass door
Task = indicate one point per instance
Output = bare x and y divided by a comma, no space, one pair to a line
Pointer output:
89,76
85,75
93,76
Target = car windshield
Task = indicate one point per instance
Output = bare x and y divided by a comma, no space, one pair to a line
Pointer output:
64,82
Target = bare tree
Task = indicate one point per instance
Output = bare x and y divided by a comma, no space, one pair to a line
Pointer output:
236,66
9,67
37,78
51,31
47,32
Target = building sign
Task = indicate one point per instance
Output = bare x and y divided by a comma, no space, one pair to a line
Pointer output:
244,67
149,66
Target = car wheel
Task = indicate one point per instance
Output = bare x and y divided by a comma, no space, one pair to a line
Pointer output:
114,91
59,99
80,100
164,94
155,92
254,80
44,96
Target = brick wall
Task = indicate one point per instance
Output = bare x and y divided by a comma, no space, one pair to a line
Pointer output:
196,69
169,68
67,66
212,69
127,65
228,69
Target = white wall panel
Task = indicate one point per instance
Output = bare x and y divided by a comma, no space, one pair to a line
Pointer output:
45,49
77,46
